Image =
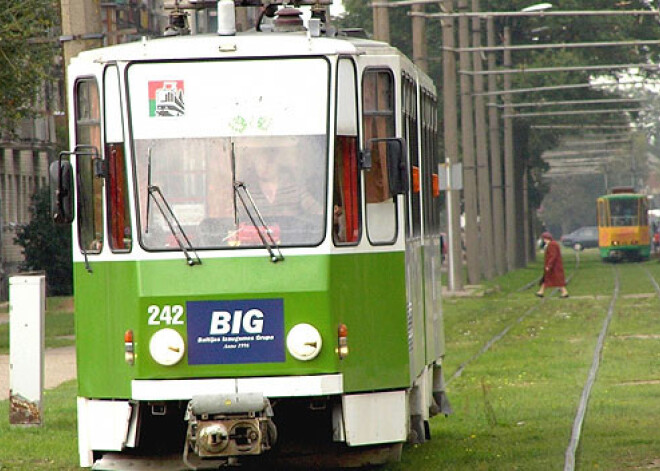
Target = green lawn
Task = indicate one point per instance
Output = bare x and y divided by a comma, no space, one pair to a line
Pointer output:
59,325
514,406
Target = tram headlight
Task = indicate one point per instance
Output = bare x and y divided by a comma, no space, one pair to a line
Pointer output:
342,341
167,347
304,342
129,347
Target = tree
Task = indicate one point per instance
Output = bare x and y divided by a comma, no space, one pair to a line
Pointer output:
539,30
27,53
47,246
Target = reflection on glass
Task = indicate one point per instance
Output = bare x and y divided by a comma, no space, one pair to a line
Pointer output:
285,176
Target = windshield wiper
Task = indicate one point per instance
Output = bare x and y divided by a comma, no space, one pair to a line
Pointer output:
263,230
165,209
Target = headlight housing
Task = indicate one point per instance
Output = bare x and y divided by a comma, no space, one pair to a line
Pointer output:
304,342
167,347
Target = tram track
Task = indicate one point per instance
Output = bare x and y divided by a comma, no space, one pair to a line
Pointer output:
503,332
576,430
653,281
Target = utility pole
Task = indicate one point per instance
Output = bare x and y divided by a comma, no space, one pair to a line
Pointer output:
483,171
81,27
495,157
451,148
381,23
419,38
509,167
467,135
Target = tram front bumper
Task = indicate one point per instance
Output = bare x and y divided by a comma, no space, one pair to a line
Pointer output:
224,425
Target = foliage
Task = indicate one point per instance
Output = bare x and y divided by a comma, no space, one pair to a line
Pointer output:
563,209
27,55
546,30
47,246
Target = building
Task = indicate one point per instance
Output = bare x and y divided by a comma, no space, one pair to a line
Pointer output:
26,152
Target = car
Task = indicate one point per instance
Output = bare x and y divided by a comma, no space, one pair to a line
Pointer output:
582,238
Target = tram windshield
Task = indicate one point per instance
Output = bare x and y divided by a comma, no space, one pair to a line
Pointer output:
625,212
236,155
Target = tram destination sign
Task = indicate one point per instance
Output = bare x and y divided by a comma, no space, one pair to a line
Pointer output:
235,332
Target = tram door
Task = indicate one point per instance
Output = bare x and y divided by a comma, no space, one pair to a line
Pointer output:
104,225
383,224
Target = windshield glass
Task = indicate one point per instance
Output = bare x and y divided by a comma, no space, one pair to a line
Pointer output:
222,143
624,212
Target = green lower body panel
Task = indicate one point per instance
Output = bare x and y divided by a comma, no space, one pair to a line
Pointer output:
234,315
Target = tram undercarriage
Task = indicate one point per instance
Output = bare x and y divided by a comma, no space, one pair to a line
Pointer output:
222,430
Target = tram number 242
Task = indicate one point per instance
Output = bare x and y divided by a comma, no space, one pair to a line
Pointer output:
168,315
222,322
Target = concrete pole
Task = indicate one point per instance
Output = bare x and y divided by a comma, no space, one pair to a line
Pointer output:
451,148
80,19
495,158
527,221
419,39
381,24
27,306
509,168
483,170
467,135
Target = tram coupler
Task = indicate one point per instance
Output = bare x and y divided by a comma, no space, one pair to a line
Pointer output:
229,425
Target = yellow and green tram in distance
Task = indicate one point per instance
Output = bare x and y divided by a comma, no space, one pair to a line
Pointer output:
623,226
256,233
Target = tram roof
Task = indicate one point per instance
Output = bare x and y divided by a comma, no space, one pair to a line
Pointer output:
243,45
248,44
623,196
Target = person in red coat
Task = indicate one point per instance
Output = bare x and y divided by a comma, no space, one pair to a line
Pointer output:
553,268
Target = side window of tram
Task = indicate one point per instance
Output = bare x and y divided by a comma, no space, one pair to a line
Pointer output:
90,188
409,121
346,197
602,216
378,122
120,231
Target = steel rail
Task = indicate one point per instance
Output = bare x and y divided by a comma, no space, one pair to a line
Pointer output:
569,457
492,341
653,282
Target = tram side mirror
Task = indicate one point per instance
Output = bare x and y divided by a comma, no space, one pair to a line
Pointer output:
390,153
365,159
397,166
61,191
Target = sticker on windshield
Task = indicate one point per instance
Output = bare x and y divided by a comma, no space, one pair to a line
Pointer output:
166,98
235,332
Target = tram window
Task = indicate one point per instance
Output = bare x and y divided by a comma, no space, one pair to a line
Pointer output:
430,165
378,122
624,212
409,119
644,212
119,217
346,221
90,188
346,195
602,215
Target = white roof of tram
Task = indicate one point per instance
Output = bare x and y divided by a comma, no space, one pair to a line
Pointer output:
249,44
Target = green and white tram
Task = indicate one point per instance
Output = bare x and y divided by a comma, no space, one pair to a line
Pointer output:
256,248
